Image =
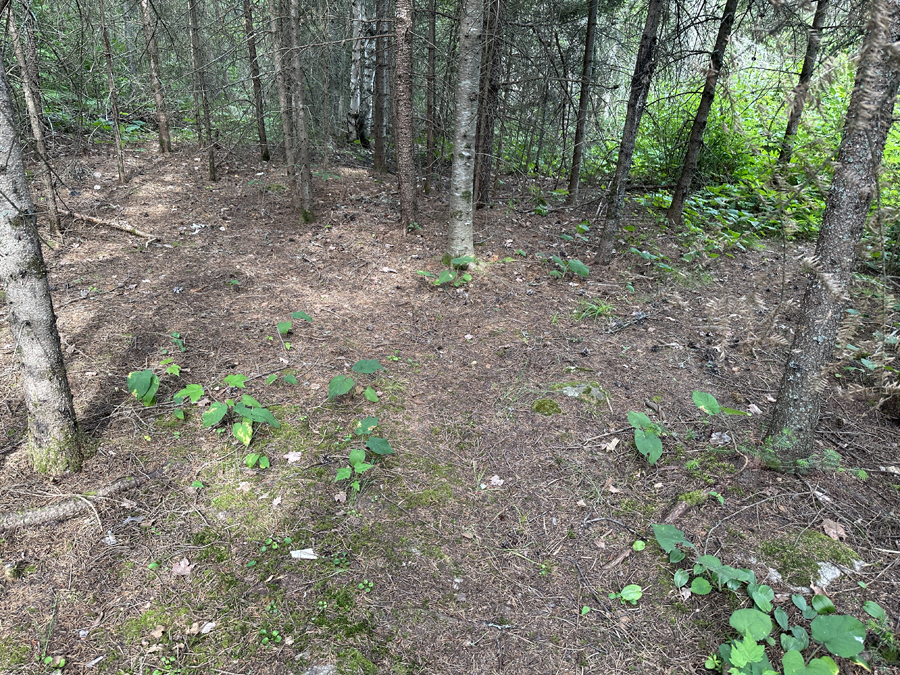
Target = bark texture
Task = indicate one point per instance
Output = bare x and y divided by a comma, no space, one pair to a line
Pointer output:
587,71
279,58
460,239
200,74
792,427
356,117
801,91
113,96
54,442
304,184
695,140
489,88
644,65
429,97
380,113
162,121
406,159
259,107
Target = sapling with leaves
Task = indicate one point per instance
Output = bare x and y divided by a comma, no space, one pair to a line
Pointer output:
455,274
343,384
358,462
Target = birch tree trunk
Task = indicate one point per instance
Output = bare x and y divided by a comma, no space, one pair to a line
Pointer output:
429,97
644,65
802,89
279,58
405,132
695,140
460,240
587,72
162,121
792,428
33,103
259,108
380,114
305,178
355,118
113,97
200,74
54,442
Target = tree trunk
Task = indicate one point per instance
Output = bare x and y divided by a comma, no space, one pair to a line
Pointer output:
32,103
429,97
356,125
113,98
644,66
587,71
380,115
869,115
305,178
802,88
489,91
460,239
200,71
279,58
54,442
162,122
695,140
405,132
259,108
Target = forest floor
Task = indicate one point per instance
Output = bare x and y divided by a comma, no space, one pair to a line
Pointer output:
489,542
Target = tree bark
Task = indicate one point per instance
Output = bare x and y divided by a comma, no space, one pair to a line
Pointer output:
259,107
695,140
380,114
33,103
792,428
587,71
405,133
307,213
200,73
279,58
644,65
356,124
802,89
429,96
54,441
162,121
460,239
489,91
113,97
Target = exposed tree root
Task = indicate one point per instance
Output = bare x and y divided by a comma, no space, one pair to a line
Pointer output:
109,223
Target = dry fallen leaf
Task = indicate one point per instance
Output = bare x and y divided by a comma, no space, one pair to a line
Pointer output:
206,628
685,592
612,444
276,501
833,529
244,486
496,481
182,568
157,632
581,503
753,409
340,497
293,456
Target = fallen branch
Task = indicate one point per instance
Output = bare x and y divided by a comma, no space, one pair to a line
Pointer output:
109,223
76,503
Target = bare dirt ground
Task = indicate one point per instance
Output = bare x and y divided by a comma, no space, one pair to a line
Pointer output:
476,546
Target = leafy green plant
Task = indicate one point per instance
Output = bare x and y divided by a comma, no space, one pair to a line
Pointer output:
564,267
646,436
342,384
269,636
594,309
455,273
357,461
708,404
143,384
631,593
244,413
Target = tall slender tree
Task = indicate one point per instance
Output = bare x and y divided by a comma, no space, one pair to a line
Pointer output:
380,114
584,98
405,132
113,94
162,120
282,68
258,106
461,239
870,113
489,93
430,80
695,139
54,442
304,185
199,69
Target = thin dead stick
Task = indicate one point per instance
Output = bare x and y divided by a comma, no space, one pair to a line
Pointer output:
109,223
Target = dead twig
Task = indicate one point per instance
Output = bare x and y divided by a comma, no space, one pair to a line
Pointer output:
124,227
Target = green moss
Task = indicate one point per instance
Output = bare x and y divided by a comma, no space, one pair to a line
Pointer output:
436,496
546,406
352,662
797,560
694,498
13,652
136,629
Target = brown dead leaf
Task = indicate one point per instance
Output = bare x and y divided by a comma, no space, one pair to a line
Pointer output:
157,632
685,592
340,497
833,529
182,568
618,559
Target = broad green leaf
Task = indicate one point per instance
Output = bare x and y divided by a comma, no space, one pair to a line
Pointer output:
639,420
339,385
798,639
648,444
579,268
365,426
290,379
214,415
681,578
639,545
251,459
179,413
149,397
700,586
823,604
301,315
370,395
357,455
264,415
248,400
379,446
284,327
264,462
669,536
343,474
762,596
799,601
706,402
271,378
792,662
362,467
874,610
174,369
242,410
842,635
367,367
445,276
236,380
781,618
462,260
732,411
139,382
746,651
243,431
676,556
751,622
192,391
707,562
632,593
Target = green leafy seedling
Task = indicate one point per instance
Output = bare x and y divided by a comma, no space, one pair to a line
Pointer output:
631,593
143,384
646,436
